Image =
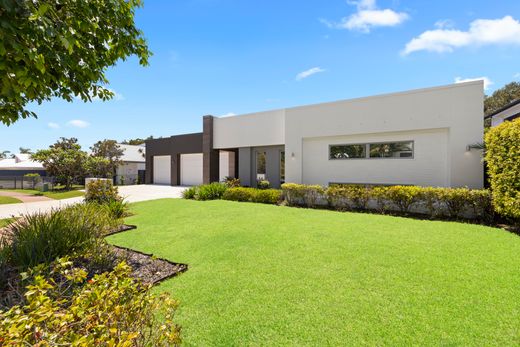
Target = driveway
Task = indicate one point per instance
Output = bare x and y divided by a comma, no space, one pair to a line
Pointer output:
130,193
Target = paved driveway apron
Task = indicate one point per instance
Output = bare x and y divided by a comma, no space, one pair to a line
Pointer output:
130,193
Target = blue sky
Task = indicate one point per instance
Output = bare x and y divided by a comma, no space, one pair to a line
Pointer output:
230,57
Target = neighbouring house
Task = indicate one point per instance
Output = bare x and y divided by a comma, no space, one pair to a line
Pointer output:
20,165
132,171
506,113
419,137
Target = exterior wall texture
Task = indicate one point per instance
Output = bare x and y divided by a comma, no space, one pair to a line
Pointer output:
174,146
457,109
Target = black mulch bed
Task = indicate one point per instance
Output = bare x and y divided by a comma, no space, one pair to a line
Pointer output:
147,268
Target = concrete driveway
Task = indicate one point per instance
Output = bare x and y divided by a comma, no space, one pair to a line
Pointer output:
130,193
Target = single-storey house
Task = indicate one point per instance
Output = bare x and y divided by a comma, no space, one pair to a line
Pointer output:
131,171
419,137
20,165
506,113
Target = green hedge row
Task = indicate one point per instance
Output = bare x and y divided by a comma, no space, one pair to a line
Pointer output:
436,202
217,191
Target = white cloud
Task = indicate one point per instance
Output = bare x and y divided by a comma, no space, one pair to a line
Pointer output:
229,114
487,81
53,125
307,73
444,24
367,17
481,32
78,123
516,75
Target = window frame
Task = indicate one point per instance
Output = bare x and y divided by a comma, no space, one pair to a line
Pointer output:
367,150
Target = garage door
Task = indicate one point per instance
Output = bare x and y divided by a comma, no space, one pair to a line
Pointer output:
191,169
162,169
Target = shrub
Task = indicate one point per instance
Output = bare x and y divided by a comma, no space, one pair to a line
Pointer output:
403,196
298,194
63,308
454,199
43,237
503,158
263,184
239,194
117,209
481,202
231,182
337,197
431,201
213,191
379,194
267,196
101,191
189,193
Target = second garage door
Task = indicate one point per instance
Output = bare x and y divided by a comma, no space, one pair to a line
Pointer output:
191,169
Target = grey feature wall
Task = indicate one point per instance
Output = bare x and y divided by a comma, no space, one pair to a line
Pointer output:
248,166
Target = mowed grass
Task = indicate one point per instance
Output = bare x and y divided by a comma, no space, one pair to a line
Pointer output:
8,200
269,275
56,195
6,221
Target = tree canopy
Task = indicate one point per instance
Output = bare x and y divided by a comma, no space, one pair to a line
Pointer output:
137,141
62,48
502,97
111,152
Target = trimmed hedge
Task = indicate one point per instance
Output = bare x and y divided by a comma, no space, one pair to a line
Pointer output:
263,196
503,158
436,202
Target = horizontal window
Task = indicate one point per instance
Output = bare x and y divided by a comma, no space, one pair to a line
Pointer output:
401,149
391,150
347,151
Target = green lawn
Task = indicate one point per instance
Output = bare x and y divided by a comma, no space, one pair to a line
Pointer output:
8,200
56,194
269,275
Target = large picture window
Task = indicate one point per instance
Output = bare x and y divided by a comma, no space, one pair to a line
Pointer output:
399,149
347,151
392,150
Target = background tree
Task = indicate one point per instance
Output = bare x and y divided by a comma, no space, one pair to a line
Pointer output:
137,141
64,160
112,152
502,97
24,150
62,48
99,167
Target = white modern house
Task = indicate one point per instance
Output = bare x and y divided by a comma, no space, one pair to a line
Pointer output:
132,169
419,137
506,113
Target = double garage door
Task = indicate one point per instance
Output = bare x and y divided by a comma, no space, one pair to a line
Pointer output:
191,169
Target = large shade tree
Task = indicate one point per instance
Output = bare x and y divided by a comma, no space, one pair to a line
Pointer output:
63,160
107,154
62,48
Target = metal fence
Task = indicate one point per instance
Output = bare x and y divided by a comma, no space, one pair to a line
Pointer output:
23,182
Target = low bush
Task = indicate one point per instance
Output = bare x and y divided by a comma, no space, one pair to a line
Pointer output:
263,184
241,194
262,196
117,209
348,196
454,200
63,308
379,195
267,196
301,194
43,237
231,182
101,191
404,197
503,158
212,191
189,193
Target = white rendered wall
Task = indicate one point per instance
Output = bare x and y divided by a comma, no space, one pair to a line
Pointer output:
457,108
250,130
428,167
